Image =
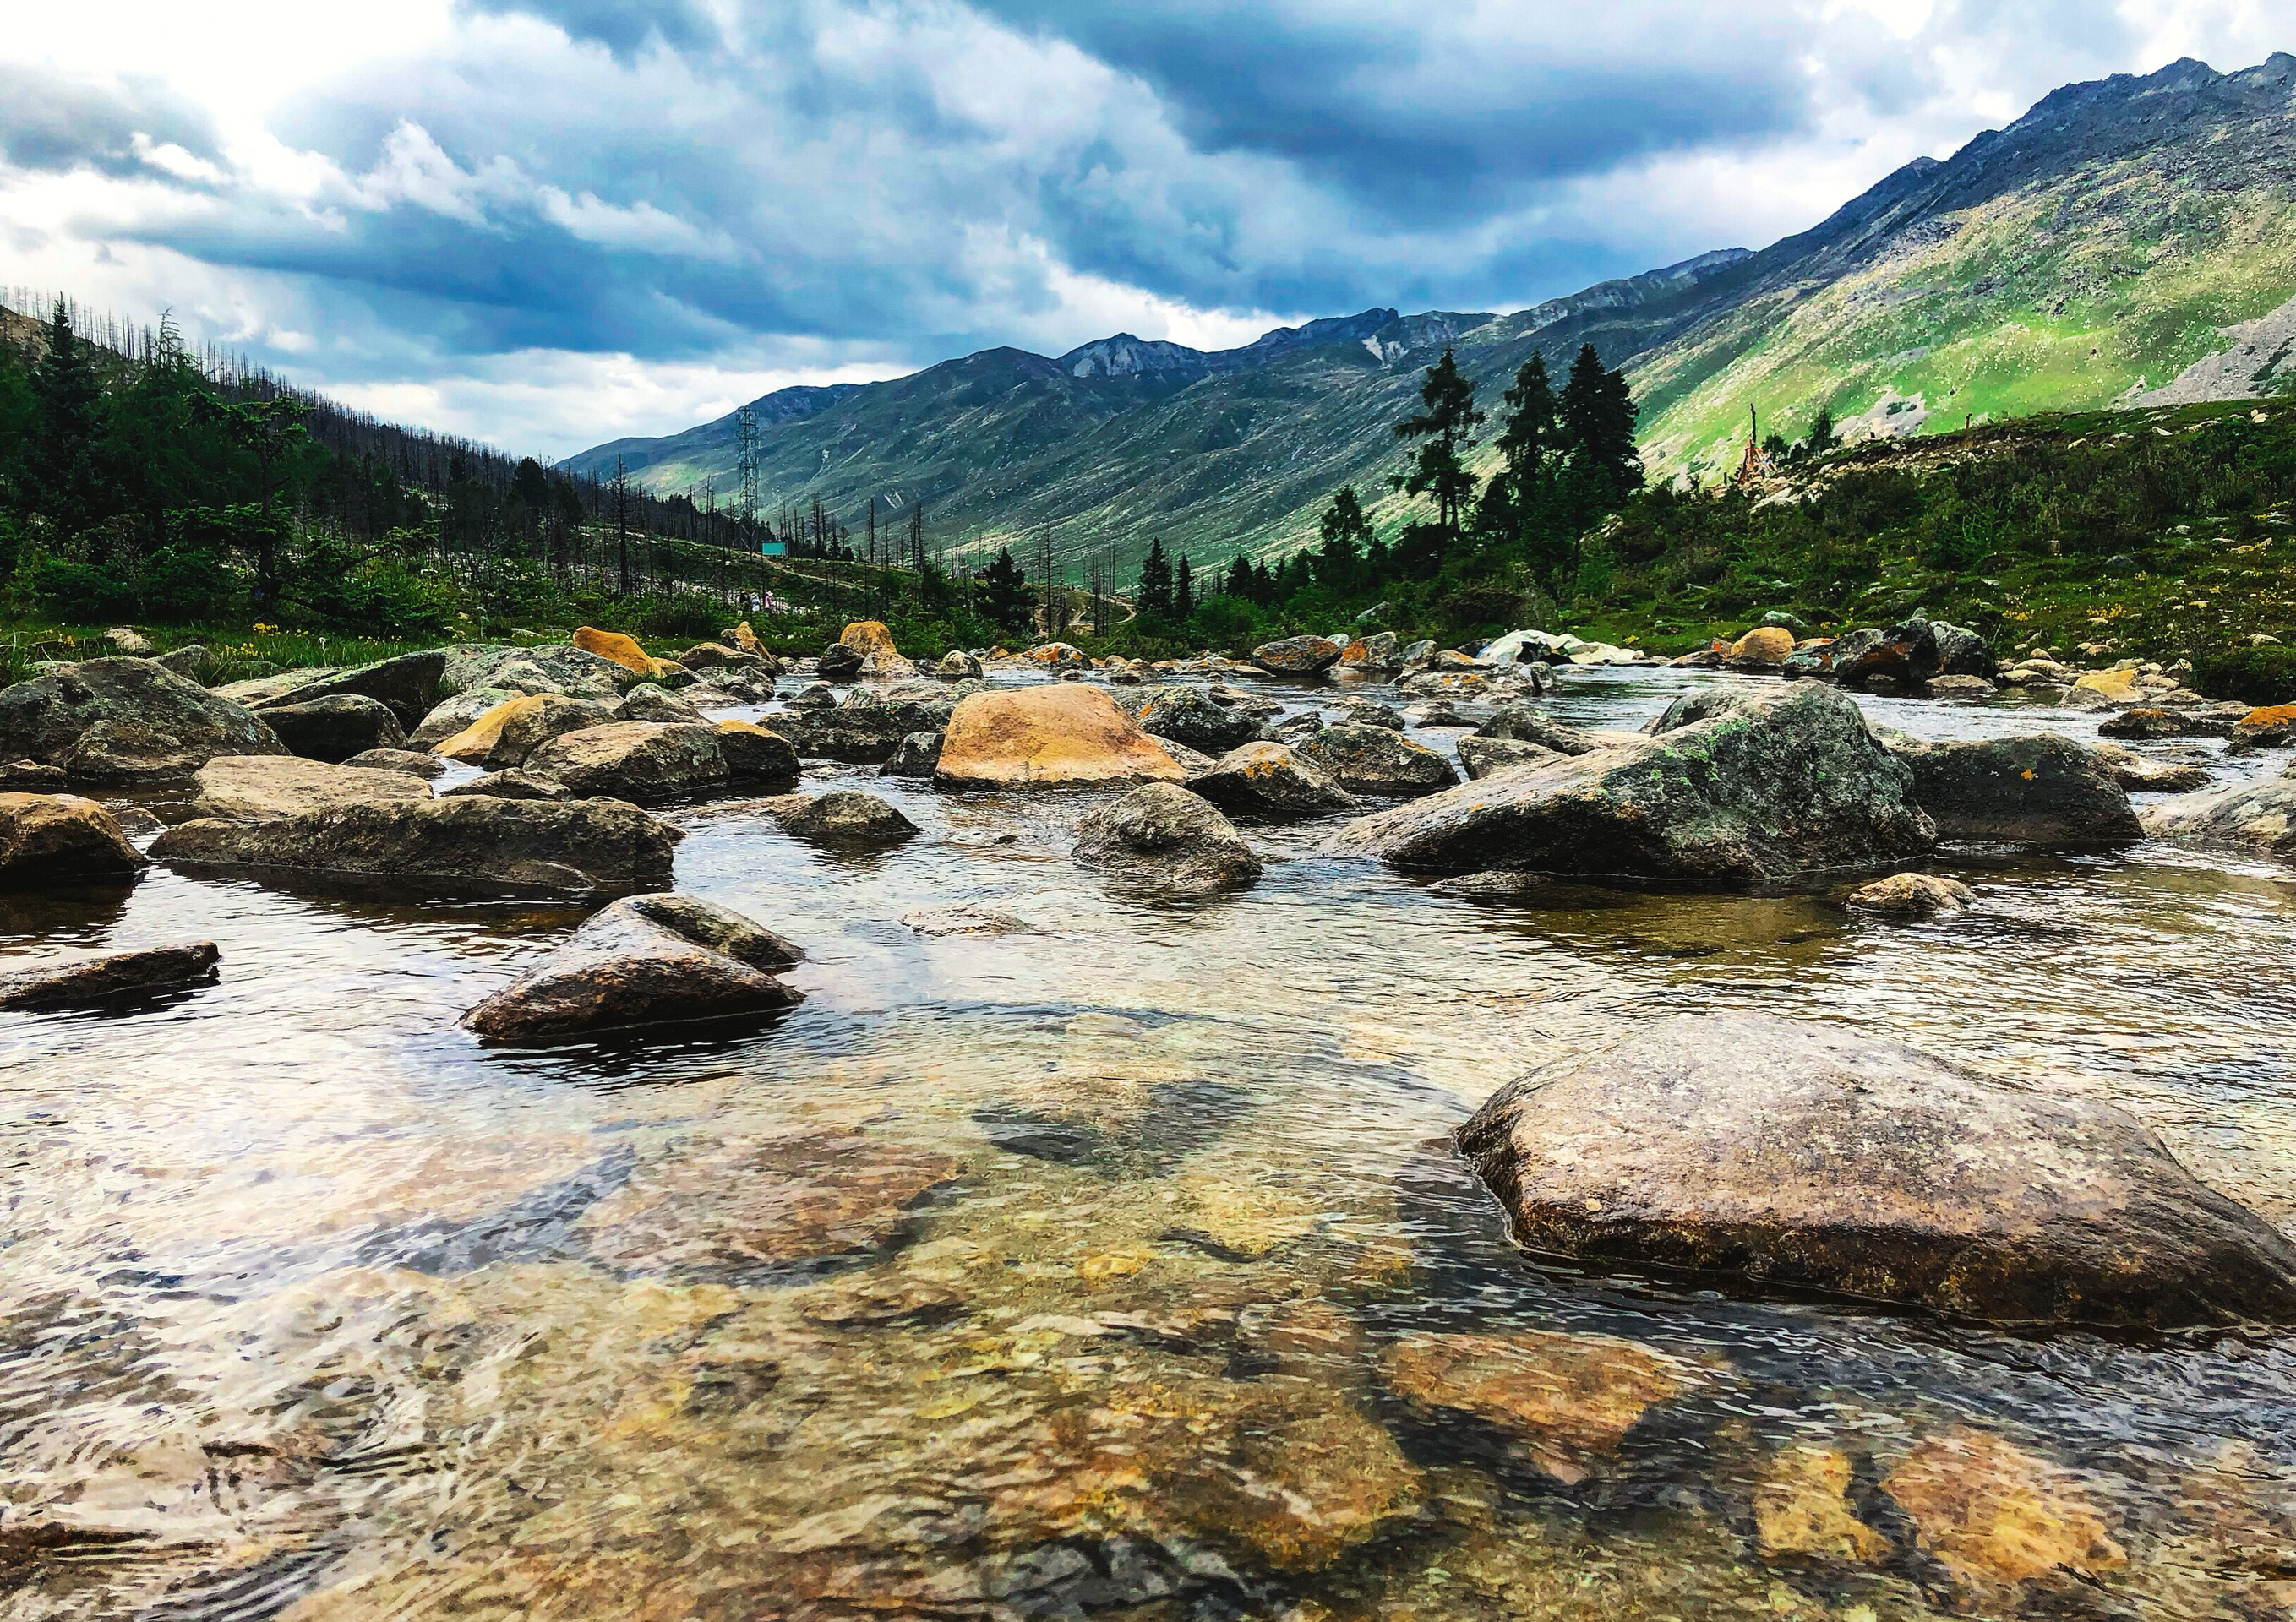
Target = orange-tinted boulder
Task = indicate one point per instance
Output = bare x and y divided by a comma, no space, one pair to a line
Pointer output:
1763,648
1048,737
620,648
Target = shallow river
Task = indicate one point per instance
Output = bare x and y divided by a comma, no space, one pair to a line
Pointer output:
1107,1266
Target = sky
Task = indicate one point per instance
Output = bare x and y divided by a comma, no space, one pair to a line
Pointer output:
545,224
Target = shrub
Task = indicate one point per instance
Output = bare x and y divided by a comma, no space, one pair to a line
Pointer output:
2254,675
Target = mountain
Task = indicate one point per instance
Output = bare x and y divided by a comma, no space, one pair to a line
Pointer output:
2127,240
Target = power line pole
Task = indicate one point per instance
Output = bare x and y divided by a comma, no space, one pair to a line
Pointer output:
745,461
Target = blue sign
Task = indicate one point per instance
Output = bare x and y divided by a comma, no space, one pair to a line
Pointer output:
773,549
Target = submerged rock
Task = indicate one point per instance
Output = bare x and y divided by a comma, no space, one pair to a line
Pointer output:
646,960
92,981
1777,784
1047,737
844,816
2035,789
52,840
476,841
1269,780
1164,840
1802,1509
1568,1400
2141,775
1377,760
1995,1515
125,721
258,788
635,760
2260,817
335,727
1802,1156
1912,894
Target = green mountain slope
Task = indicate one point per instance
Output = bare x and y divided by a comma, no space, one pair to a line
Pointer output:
2097,249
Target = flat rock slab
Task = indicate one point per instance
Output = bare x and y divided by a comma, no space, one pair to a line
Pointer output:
646,960
258,788
48,839
1808,1157
1047,737
467,842
94,981
2260,817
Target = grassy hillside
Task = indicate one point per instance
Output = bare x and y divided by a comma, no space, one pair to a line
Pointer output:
2093,249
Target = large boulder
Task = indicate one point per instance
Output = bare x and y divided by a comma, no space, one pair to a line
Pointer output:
1167,842
546,668
1905,654
1298,655
1191,716
125,721
1764,786
2270,727
91,982
1765,647
1264,779
918,756
2037,788
639,761
454,843
451,717
334,728
844,816
258,787
839,663
618,650
409,685
1377,760
1048,736
52,840
755,754
1961,652
1377,653
1807,1157
2259,817
646,960
875,644
524,725
652,701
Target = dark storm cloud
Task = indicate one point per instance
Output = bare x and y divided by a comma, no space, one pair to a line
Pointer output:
52,122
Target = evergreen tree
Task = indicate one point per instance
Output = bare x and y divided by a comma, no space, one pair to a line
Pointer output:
1598,416
1183,591
269,429
1446,425
1822,437
1156,599
1007,596
1527,442
1239,576
1347,535
64,396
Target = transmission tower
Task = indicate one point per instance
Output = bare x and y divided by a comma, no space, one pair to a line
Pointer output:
745,460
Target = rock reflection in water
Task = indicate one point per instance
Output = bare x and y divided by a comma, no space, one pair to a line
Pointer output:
1112,1263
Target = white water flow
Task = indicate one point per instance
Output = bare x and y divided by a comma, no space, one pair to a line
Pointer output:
1087,1268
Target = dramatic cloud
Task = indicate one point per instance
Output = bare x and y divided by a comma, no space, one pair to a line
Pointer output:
551,222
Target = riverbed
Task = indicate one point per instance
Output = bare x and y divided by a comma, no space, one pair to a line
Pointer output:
1066,1255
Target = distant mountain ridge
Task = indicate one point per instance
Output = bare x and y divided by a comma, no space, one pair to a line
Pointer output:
2117,237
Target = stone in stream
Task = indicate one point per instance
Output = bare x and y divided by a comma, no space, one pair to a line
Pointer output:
1798,1156
617,649
334,728
409,685
556,667
756,754
1481,757
957,665
2038,789
839,663
1298,656
125,721
1529,724
467,842
917,755
1267,780
1905,654
2270,727
652,701
1047,737
1189,715
88,982
1765,647
2259,817
31,776
1912,894
1998,1518
261,788
1962,653
1371,712
1777,784
48,840
1167,842
512,782
635,760
414,763
646,960
1377,760
2141,775
843,816
504,736
2152,722
451,717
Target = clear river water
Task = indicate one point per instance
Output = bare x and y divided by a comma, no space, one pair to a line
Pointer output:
1065,1256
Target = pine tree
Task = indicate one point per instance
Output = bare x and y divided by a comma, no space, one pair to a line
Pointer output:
1156,599
1006,591
1526,445
64,394
1239,576
1447,424
1183,591
1822,437
1598,416
1347,533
